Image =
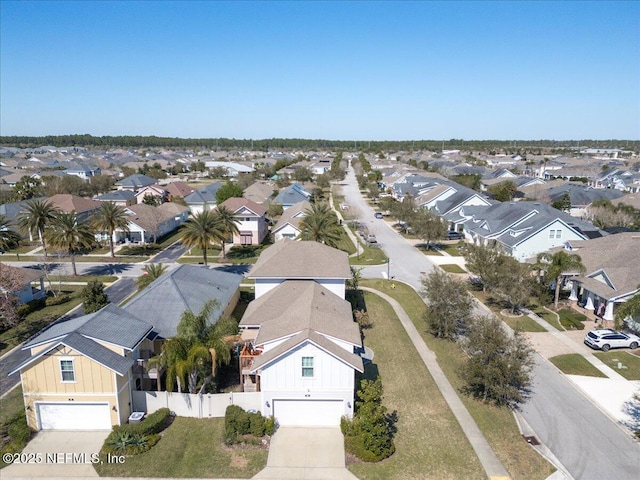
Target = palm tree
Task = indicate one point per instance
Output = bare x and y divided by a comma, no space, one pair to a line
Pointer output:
320,224
151,272
8,238
35,218
109,218
201,230
66,233
558,266
228,225
196,350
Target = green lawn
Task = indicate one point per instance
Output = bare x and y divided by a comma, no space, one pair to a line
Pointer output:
429,442
575,364
497,424
83,278
36,321
451,248
522,324
369,256
452,268
429,251
191,448
11,405
550,317
345,244
632,362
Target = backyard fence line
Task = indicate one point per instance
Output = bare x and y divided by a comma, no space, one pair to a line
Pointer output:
194,405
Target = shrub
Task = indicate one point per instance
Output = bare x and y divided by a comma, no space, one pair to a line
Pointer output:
246,427
369,436
93,296
18,430
135,438
29,307
60,299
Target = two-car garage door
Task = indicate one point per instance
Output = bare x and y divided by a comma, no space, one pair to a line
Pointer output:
313,413
74,416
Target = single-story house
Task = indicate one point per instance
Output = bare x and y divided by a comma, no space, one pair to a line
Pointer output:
83,207
147,223
135,182
122,198
291,195
203,199
259,192
79,375
24,277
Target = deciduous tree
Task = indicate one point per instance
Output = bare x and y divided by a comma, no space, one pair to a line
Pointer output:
449,305
498,367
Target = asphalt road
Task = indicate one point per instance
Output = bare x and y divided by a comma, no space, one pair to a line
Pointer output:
587,442
89,268
116,292
170,254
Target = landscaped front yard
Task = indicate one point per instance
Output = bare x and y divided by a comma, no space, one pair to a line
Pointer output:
191,448
620,358
497,424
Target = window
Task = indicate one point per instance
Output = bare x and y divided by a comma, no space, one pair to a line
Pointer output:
552,233
307,366
558,233
66,367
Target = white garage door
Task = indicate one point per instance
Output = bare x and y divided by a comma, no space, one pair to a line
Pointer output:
312,413
74,416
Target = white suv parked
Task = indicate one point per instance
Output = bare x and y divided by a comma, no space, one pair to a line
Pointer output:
606,338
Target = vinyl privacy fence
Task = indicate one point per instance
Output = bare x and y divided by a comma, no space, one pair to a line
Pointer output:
193,405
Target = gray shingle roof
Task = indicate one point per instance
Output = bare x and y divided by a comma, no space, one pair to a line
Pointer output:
293,259
88,348
204,195
137,180
188,287
110,324
296,305
291,195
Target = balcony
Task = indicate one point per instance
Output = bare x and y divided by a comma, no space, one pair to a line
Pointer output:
250,382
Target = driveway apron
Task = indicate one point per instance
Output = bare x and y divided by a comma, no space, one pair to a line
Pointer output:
58,454
306,453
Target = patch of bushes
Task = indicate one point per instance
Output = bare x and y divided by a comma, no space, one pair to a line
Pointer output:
369,435
246,427
14,434
572,320
135,438
246,251
60,299
30,307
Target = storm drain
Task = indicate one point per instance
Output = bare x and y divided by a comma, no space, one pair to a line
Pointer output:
531,440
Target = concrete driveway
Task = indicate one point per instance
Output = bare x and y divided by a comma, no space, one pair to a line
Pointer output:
306,453
59,454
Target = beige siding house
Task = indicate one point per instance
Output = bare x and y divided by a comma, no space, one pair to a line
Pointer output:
79,375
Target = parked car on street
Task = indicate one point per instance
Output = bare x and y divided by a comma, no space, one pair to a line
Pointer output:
371,238
606,338
378,215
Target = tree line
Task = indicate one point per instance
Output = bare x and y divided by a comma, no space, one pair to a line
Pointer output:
138,141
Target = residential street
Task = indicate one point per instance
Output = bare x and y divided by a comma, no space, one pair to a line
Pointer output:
580,435
170,254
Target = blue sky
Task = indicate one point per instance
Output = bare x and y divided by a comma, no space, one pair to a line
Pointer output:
334,70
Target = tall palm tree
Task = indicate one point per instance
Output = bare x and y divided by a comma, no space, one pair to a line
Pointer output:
150,272
109,218
8,238
66,233
228,225
35,218
558,266
201,230
320,224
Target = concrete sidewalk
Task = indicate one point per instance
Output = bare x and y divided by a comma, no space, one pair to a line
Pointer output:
490,462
